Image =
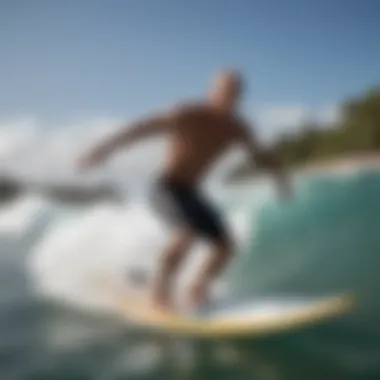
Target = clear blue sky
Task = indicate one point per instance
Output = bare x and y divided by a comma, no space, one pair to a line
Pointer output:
63,59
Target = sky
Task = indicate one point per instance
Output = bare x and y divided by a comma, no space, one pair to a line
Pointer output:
74,63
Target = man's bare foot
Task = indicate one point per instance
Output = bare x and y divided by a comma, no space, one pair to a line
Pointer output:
162,301
198,296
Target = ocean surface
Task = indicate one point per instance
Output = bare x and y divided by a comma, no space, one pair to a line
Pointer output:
56,323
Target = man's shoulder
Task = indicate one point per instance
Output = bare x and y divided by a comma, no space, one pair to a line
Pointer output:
190,108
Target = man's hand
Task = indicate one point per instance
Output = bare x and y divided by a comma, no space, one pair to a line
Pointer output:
268,161
93,158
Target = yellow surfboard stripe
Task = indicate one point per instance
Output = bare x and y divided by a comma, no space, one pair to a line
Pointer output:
143,314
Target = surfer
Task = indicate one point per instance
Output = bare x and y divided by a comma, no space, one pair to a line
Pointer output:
199,134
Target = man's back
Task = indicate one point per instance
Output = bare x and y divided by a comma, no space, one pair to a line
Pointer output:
201,137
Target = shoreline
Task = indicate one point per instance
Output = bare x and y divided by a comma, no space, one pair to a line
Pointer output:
343,164
349,164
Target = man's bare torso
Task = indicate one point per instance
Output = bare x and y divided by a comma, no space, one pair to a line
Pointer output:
201,137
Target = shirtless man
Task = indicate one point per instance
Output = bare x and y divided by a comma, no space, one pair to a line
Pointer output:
199,133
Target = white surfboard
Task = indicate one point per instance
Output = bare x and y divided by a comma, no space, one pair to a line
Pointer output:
252,318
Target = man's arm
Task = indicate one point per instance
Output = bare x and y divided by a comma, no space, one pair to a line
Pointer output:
130,134
263,159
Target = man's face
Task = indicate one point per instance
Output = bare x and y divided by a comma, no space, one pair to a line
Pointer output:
227,90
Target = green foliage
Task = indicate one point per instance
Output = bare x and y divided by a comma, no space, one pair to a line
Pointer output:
358,131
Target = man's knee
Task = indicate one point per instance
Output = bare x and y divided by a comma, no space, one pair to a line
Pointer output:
225,246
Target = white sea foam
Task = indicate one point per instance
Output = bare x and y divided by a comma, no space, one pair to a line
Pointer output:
79,253
17,217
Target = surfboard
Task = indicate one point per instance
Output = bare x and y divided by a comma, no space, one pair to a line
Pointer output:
251,318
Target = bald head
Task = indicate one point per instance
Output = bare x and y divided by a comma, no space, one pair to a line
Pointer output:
227,89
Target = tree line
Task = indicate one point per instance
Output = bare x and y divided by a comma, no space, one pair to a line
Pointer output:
356,132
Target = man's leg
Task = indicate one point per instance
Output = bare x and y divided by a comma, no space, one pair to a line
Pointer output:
220,256
171,260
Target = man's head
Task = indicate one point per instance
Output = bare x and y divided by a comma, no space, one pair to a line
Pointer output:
227,89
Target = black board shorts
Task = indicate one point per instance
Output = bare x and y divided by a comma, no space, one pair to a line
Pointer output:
184,206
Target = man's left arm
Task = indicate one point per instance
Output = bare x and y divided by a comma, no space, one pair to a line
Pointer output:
261,158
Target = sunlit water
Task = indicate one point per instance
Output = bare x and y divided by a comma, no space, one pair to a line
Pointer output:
56,323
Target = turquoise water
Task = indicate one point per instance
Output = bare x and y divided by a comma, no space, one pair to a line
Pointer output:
326,240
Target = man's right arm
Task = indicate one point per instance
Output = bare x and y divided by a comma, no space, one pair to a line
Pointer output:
157,124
